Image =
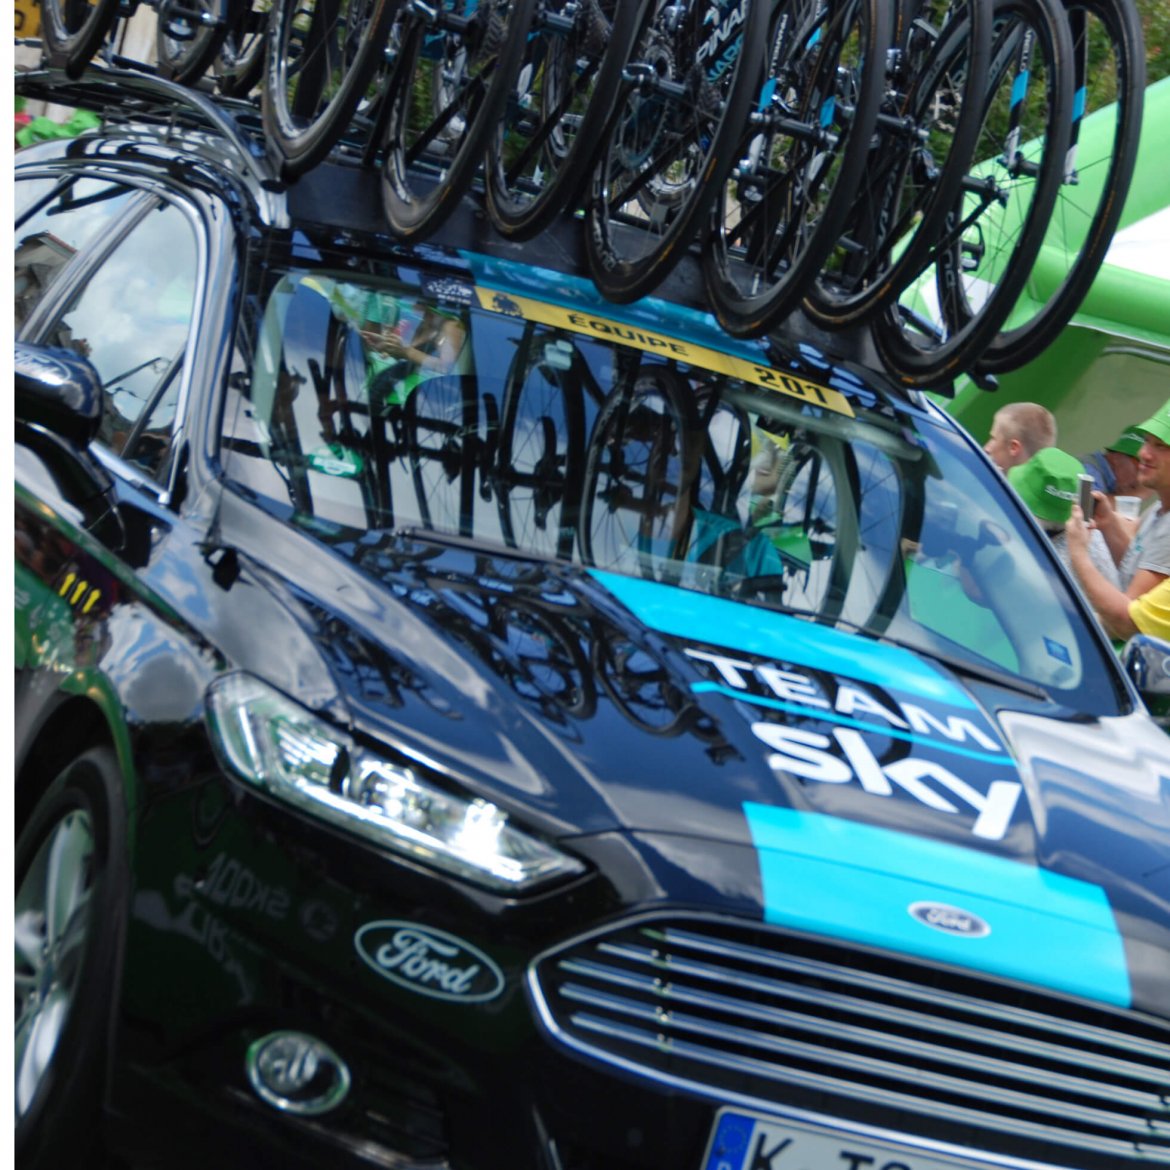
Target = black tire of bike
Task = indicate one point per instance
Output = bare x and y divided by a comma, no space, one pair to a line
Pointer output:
620,274
1022,342
970,330
240,63
185,62
511,480
605,440
302,141
72,48
833,456
445,442
413,206
749,299
520,213
963,47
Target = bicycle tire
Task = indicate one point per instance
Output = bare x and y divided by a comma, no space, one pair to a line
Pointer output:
808,468
670,142
189,36
439,426
320,58
1078,240
74,30
1008,199
445,98
801,157
924,140
240,62
620,529
541,154
538,481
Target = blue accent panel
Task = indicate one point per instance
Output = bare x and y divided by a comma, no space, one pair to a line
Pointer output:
698,616
580,295
848,880
828,108
766,94
1019,88
1079,104
823,716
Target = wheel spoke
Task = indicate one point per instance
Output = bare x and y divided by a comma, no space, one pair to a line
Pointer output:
67,885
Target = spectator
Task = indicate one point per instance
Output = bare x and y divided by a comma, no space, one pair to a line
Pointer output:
1018,431
1142,557
1121,615
1114,468
1047,484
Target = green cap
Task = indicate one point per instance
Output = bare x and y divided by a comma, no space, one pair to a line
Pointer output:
1129,442
1047,484
1159,425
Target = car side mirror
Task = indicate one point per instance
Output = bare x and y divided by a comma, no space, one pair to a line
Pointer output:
58,391
59,399
1146,660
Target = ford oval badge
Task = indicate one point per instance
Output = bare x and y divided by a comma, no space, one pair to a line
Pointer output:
429,962
949,919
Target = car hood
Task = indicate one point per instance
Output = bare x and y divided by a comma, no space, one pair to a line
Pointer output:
853,788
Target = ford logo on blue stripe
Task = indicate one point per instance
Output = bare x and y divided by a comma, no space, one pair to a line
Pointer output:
949,919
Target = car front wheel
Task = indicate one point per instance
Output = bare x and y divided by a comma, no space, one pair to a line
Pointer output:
70,897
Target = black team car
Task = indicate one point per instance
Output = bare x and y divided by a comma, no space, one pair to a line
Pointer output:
461,723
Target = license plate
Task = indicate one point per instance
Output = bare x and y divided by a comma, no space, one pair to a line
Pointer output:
744,1141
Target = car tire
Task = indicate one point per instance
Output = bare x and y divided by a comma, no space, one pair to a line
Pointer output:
71,895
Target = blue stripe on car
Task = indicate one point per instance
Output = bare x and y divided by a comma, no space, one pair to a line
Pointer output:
826,875
686,614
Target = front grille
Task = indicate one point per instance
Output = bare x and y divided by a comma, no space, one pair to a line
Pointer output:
744,1013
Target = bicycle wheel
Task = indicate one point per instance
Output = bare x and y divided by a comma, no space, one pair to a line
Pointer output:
458,63
942,322
925,137
1109,67
540,155
321,57
439,423
802,154
541,449
635,505
240,63
189,36
73,31
815,532
689,85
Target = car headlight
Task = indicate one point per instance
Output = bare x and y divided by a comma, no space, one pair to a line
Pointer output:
282,748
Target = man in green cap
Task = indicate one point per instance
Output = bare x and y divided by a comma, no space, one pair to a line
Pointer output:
1114,468
1047,484
1142,556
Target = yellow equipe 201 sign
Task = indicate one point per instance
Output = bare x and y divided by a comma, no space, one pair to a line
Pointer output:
592,325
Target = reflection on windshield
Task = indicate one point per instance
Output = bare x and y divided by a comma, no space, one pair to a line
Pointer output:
374,408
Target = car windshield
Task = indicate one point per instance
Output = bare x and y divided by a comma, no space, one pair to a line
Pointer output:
567,435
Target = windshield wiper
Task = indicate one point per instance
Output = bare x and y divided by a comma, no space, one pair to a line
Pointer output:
961,666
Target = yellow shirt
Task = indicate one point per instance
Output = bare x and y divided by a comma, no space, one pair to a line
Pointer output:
1151,612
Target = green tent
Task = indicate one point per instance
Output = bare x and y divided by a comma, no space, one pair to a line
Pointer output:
1111,365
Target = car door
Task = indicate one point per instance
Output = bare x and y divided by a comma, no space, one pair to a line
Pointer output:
117,272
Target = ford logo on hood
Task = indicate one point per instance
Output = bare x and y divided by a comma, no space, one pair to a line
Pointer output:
429,962
949,919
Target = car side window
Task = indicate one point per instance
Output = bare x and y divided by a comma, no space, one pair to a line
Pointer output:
132,319
83,210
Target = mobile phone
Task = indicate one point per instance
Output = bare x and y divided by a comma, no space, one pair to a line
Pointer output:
1085,497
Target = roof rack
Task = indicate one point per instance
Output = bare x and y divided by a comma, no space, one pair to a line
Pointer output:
344,193
125,96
